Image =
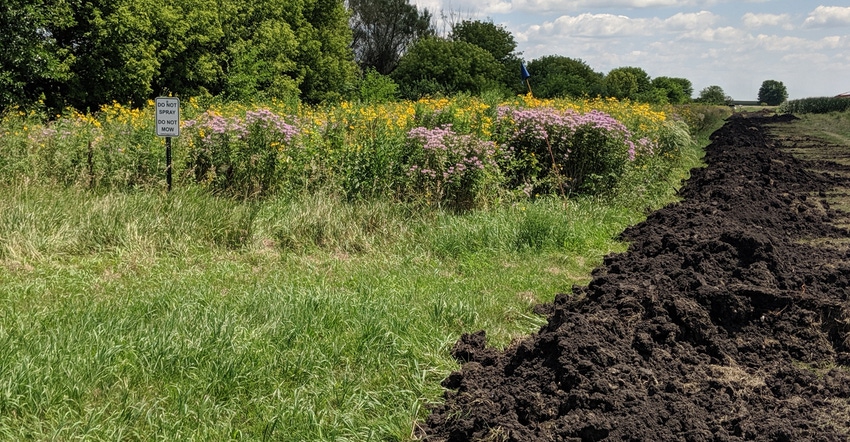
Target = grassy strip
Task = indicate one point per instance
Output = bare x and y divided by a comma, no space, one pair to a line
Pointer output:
144,316
832,126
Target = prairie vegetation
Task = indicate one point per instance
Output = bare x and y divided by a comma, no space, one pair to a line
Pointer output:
308,284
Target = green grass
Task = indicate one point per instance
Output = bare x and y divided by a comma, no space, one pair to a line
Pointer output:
833,127
145,316
182,316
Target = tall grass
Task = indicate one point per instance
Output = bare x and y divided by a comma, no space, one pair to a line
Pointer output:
183,317
461,153
144,315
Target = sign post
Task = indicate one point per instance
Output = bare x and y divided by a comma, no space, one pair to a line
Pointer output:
168,125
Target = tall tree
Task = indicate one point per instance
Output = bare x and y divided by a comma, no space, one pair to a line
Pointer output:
87,53
492,38
687,86
674,90
438,66
714,95
772,93
115,56
324,52
559,76
383,30
621,84
628,83
496,40
33,64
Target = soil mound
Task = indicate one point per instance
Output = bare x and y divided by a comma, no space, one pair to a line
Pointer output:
726,320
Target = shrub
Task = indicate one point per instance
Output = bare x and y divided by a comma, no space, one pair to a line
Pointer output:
377,88
356,150
451,169
239,156
546,150
702,118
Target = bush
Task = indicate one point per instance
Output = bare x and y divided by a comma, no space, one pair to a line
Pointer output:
356,150
451,169
377,88
95,151
239,156
546,150
702,118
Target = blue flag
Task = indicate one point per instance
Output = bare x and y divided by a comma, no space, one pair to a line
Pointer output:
524,71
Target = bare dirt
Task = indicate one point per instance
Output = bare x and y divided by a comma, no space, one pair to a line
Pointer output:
727,319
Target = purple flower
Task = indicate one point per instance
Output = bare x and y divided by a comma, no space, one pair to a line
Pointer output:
217,126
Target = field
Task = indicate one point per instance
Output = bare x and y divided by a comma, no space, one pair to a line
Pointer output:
725,320
321,304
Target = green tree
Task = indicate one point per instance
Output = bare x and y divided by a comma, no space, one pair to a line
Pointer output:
33,63
191,37
129,50
277,48
324,55
376,88
674,90
687,86
629,83
772,93
383,30
492,38
438,66
621,84
498,42
714,95
115,54
559,76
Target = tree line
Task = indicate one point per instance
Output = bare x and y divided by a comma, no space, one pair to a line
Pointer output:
84,54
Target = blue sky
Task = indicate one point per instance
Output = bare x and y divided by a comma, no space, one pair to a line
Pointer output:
735,44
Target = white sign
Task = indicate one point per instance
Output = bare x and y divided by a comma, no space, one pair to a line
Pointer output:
167,116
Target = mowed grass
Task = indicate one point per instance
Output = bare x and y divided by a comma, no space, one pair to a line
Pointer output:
182,316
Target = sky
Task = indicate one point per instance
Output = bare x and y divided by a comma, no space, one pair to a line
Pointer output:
734,44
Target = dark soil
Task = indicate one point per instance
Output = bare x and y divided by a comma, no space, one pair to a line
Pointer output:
726,320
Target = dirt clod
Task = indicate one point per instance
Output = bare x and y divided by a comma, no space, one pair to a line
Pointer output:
726,320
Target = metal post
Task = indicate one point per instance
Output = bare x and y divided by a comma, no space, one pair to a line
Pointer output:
168,162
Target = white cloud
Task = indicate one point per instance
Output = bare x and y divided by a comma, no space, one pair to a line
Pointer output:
482,9
763,20
600,25
687,21
828,17
806,58
778,43
835,42
725,34
602,4
582,5
609,25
